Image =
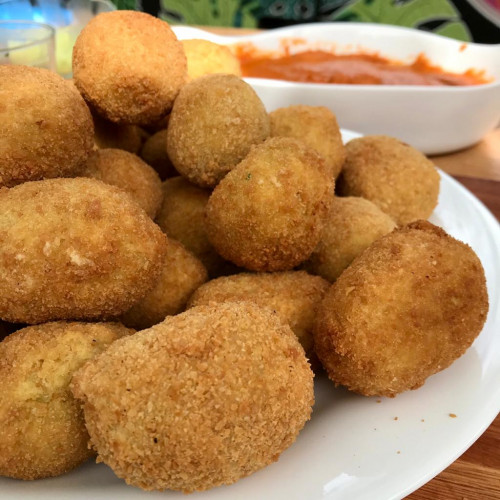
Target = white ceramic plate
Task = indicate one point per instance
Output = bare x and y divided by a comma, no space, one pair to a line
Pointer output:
435,120
353,448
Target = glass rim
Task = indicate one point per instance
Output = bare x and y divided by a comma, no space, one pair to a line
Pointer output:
35,24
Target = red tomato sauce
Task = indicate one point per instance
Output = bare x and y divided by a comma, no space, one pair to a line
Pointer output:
317,66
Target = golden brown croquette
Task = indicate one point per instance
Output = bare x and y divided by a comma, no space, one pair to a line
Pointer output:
205,57
182,274
129,66
154,153
204,398
353,225
317,127
128,172
294,295
267,214
42,432
400,180
406,308
46,127
214,122
74,249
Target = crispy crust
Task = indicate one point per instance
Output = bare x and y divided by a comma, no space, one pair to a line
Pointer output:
133,86
94,252
154,153
215,121
267,214
46,127
203,399
406,308
129,173
400,180
42,432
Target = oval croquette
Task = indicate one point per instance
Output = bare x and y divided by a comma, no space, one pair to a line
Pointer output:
203,399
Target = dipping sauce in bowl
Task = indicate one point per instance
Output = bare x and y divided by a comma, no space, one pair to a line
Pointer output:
319,66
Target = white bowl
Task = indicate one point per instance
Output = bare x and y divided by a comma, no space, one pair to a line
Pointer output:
432,119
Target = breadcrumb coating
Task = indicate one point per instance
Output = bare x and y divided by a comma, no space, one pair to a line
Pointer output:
353,225
267,214
46,127
317,127
214,122
42,432
200,400
154,153
112,135
400,180
129,173
74,249
129,66
406,308
294,295
182,274
205,58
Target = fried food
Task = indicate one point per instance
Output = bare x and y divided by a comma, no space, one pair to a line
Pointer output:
46,127
406,308
353,225
129,66
214,122
154,153
42,432
129,173
400,180
267,214
317,127
293,295
74,249
182,217
205,58
182,274
205,398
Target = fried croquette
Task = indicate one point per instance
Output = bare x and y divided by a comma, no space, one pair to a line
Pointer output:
74,249
129,66
353,225
111,135
200,400
42,432
294,295
267,214
154,153
214,122
46,127
205,58
400,180
317,127
182,274
129,173
182,217
406,308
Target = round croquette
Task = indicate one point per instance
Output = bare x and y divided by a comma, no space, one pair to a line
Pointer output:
46,127
182,274
129,173
317,127
267,214
42,432
74,249
205,57
214,122
182,217
154,153
294,295
133,86
400,180
353,225
204,398
406,308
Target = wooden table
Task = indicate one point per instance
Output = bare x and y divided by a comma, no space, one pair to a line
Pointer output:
476,474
